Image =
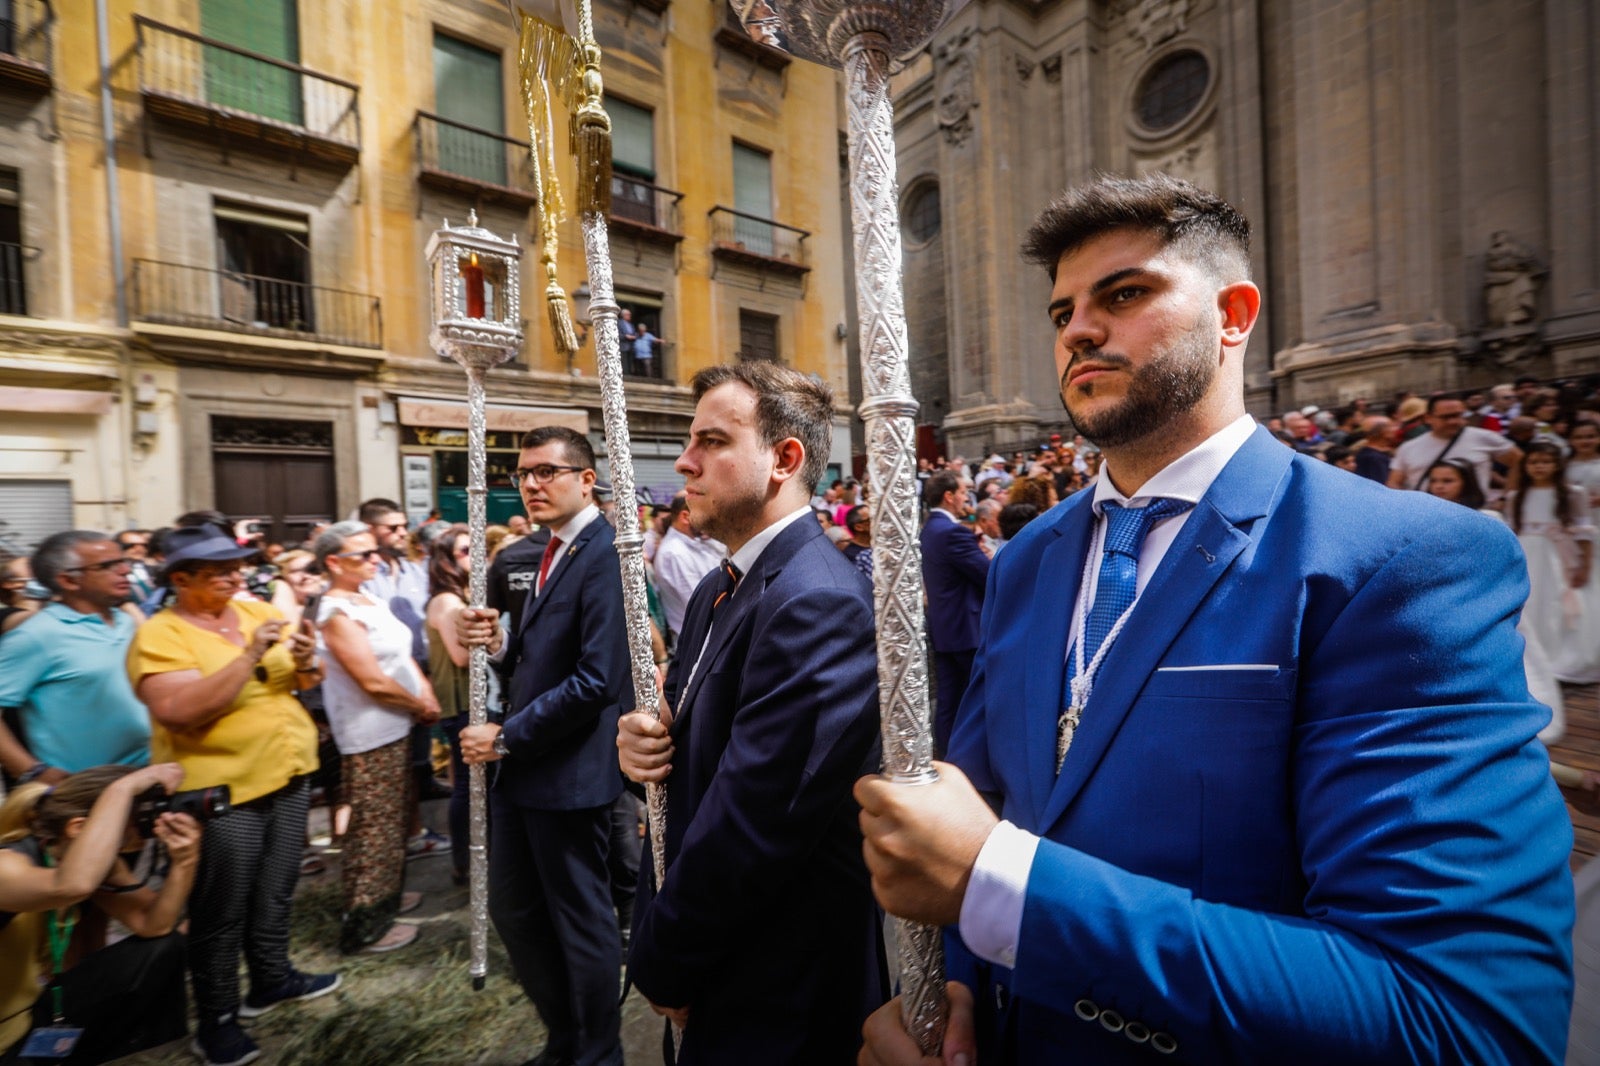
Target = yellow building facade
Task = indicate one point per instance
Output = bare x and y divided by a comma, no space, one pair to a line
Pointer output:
236,314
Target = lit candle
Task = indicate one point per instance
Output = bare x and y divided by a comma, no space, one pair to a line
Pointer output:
472,277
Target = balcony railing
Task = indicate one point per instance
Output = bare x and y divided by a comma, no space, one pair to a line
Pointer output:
759,241
15,264
652,369
634,200
201,298
25,34
201,82
476,162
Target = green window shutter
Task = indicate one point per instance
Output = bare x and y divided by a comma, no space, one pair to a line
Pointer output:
467,89
269,27
633,139
752,195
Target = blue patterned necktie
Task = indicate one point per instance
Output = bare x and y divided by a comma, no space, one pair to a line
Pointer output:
1115,591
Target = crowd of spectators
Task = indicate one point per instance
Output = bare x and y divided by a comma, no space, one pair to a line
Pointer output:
201,656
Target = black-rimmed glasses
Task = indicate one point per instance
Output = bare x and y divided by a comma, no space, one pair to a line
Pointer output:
369,554
544,473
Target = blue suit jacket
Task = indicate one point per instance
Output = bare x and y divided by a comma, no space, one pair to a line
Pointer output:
568,665
954,570
1305,818
765,926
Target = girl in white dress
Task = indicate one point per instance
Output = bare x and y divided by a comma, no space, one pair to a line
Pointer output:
1583,469
1551,519
1456,480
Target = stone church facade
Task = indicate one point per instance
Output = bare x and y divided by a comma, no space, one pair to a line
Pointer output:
1423,178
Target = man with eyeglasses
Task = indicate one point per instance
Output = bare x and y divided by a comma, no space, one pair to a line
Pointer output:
66,670
135,544
551,804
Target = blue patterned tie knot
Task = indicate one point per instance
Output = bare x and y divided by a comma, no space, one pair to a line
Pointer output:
1118,583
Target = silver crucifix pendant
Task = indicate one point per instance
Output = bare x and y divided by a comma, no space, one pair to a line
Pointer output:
1066,725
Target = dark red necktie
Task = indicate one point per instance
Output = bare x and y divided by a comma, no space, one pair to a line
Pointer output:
550,552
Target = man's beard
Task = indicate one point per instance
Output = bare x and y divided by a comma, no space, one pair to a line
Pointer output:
733,516
1167,386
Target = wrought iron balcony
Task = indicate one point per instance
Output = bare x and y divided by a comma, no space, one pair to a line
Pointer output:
244,95
646,210
758,241
201,298
16,262
25,37
472,161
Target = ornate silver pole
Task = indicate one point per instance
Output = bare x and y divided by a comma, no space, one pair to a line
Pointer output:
863,37
592,136
476,322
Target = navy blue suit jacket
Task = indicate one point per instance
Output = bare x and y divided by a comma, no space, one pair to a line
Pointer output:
568,664
954,570
765,926
1305,818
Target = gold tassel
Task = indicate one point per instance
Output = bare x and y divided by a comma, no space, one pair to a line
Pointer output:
547,53
566,337
591,139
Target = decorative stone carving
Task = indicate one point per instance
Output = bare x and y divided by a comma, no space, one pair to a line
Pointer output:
1157,21
1511,277
1051,65
958,96
1194,160
1024,66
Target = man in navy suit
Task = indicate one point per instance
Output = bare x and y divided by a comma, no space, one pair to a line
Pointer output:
762,941
954,571
549,892
1258,729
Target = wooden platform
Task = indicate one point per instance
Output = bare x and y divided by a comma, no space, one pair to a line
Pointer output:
1580,747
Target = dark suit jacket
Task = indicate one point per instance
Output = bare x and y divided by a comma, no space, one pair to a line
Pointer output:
568,664
1306,818
765,926
954,570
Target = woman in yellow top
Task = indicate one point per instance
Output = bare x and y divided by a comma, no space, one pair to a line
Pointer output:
60,880
219,678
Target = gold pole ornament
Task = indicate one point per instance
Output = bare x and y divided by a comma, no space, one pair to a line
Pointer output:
548,57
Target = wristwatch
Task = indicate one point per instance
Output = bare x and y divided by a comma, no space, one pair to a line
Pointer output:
499,745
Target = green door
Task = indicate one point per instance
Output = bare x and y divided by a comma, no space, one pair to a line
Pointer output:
752,196
467,89
244,83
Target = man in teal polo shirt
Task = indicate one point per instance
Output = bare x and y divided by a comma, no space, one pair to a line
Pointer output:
66,668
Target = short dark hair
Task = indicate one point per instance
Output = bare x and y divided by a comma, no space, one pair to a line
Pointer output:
680,504
856,516
788,404
939,482
58,553
574,445
1013,516
1209,229
1440,397
195,519
376,508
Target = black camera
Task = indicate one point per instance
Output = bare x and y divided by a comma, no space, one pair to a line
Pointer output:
201,804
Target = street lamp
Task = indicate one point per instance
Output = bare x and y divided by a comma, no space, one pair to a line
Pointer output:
477,322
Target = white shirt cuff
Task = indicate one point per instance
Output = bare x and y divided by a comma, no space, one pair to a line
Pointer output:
498,657
991,912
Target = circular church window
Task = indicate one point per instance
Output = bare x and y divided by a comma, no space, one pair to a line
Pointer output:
922,219
1172,90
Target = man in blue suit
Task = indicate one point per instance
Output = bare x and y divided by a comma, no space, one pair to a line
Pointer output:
567,657
1258,729
954,571
762,941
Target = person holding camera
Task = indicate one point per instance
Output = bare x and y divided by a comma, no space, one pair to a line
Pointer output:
219,676
373,694
65,995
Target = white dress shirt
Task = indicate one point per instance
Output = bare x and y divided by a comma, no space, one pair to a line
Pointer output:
991,912
681,562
